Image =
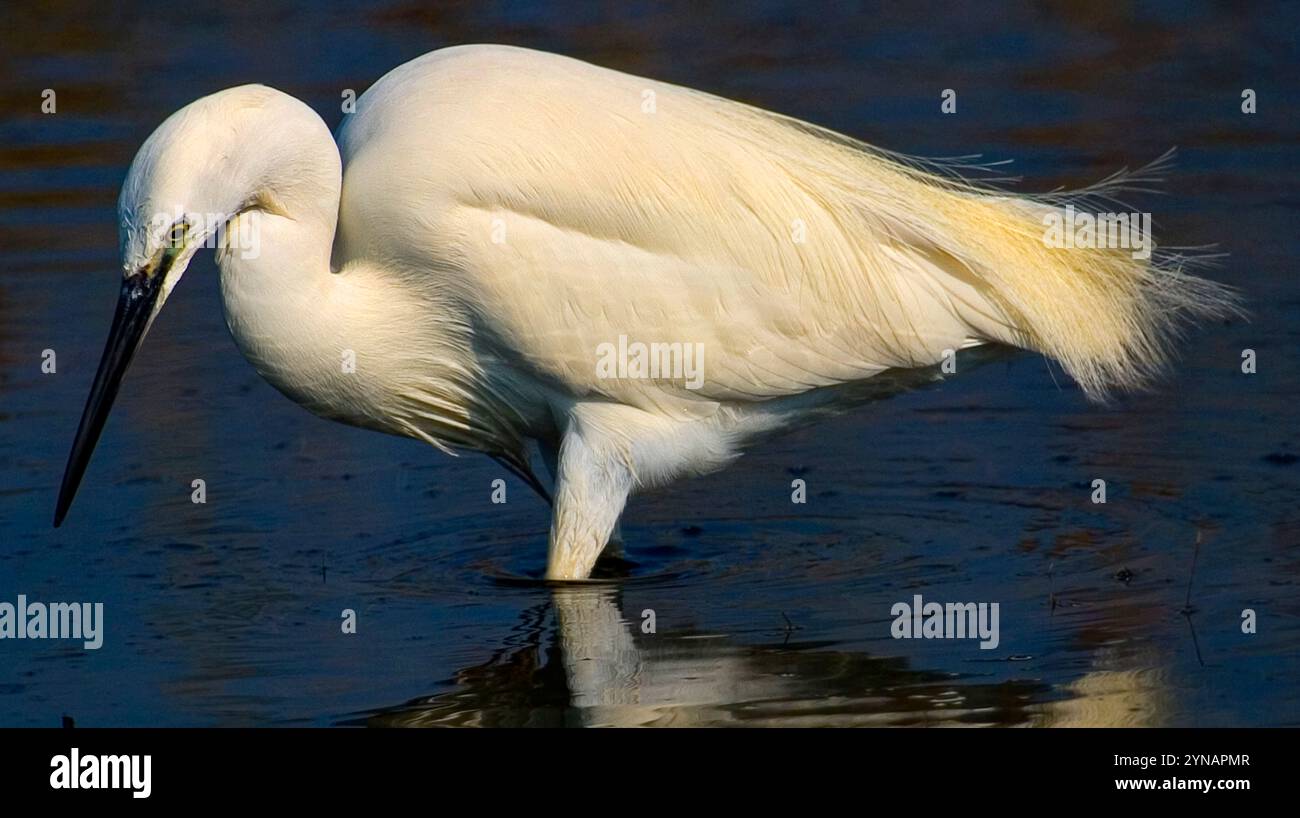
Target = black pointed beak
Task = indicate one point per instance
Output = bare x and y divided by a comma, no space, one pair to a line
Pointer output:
135,308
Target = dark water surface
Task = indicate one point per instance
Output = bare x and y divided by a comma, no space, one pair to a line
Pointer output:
766,612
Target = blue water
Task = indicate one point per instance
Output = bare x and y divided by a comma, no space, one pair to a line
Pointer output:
228,613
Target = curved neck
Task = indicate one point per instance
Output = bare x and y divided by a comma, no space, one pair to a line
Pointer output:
325,338
278,293
337,330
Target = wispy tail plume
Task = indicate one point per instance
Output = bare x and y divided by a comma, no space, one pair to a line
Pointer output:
1111,315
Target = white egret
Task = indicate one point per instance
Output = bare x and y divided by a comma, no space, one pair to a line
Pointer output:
493,217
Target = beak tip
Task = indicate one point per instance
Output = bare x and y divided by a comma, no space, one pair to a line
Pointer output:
135,309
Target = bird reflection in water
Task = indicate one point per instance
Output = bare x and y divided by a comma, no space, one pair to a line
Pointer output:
579,661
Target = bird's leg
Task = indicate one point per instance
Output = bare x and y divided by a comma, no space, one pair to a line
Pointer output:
550,455
591,488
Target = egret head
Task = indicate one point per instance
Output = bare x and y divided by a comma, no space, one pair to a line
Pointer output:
244,150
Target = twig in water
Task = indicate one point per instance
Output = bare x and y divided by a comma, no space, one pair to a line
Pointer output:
1051,586
1191,575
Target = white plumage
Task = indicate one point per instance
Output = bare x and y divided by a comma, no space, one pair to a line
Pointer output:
491,216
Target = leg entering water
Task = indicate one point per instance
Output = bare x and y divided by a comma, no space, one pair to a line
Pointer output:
550,454
591,488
